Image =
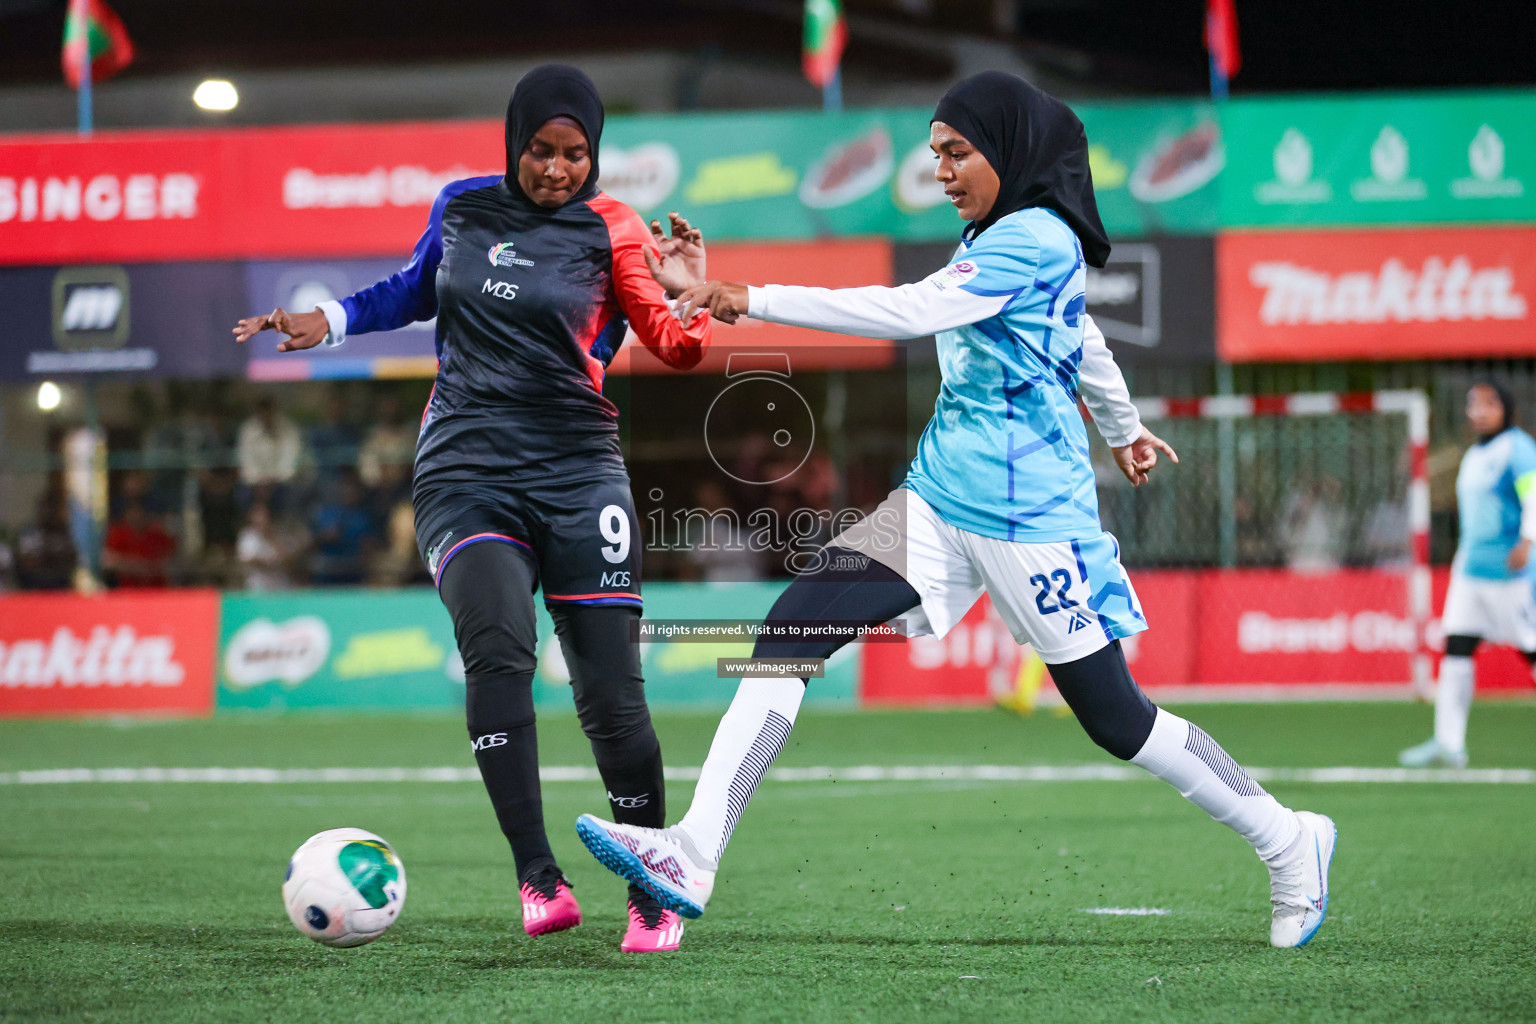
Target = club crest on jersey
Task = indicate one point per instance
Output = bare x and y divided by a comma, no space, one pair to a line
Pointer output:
502,255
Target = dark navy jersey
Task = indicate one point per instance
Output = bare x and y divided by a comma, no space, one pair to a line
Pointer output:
532,305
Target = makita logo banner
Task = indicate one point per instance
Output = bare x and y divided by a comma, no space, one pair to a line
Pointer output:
121,654
109,657
1390,294
1437,291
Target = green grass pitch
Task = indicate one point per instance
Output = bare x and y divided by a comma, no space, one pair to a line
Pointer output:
878,901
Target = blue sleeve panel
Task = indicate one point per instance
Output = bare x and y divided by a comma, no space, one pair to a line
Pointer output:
410,294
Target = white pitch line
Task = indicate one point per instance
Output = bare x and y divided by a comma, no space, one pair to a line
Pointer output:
1127,911
852,773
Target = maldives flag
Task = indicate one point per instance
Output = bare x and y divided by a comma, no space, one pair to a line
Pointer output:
825,35
1221,37
92,27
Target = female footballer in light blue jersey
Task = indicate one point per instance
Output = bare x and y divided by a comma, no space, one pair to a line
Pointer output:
1000,498
1490,595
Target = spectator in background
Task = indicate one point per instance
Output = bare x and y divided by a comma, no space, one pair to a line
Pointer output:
400,561
264,555
134,488
85,485
333,441
715,543
384,462
219,513
268,452
138,550
1314,526
45,552
342,527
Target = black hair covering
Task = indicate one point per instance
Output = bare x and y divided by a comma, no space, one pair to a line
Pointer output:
553,90
1037,147
1506,399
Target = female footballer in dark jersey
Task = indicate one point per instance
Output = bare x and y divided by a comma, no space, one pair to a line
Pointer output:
519,480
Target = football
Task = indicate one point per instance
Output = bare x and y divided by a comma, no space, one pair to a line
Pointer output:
344,887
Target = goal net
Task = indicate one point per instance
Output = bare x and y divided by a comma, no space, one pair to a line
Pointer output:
1287,555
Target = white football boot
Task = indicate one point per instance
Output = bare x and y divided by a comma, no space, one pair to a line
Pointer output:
1298,888
662,861
1432,752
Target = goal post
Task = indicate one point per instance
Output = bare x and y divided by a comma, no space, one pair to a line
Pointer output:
1285,558
1410,409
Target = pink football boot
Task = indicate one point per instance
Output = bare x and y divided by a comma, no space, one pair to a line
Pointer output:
549,909
651,929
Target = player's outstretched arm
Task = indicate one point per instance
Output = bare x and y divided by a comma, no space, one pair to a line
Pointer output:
304,330
915,310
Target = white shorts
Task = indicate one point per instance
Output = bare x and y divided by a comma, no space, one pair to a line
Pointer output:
1066,599
1498,611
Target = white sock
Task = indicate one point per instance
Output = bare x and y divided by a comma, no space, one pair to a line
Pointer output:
1182,755
750,736
1453,702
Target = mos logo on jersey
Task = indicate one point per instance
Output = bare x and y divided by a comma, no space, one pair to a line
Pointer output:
500,289
502,255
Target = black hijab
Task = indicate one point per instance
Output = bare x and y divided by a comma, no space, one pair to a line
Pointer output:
1037,147
553,90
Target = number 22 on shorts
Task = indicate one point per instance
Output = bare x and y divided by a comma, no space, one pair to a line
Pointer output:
1043,598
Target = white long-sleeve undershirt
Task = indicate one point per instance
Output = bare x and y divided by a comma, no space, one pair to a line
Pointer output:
931,306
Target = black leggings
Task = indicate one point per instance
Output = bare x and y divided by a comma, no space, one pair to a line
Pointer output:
488,589
1098,688
1462,646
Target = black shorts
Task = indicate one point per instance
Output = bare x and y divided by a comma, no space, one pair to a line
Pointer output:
583,537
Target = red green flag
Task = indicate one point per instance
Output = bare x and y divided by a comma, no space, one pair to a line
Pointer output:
92,27
825,35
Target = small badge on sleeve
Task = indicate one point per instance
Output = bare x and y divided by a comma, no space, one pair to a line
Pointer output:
954,275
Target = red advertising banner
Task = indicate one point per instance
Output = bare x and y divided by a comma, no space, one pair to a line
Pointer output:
1382,294
979,659
144,652
1276,626
333,190
975,662
1209,628
1163,654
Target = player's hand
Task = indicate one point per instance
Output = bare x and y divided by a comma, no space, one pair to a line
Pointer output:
1137,458
1519,555
678,262
725,301
304,330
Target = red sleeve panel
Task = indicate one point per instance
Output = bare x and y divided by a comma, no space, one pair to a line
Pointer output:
640,297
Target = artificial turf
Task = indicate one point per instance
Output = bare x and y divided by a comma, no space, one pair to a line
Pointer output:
885,901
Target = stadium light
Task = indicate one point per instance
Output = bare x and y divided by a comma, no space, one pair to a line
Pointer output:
49,396
216,94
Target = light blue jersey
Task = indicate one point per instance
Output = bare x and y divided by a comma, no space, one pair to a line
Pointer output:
1496,478
1006,454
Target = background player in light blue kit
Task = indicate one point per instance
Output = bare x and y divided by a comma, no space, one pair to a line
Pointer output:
1490,596
1000,498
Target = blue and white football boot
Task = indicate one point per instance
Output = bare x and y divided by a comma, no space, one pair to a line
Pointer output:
1298,888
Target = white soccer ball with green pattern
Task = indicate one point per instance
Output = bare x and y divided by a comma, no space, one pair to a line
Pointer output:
345,887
